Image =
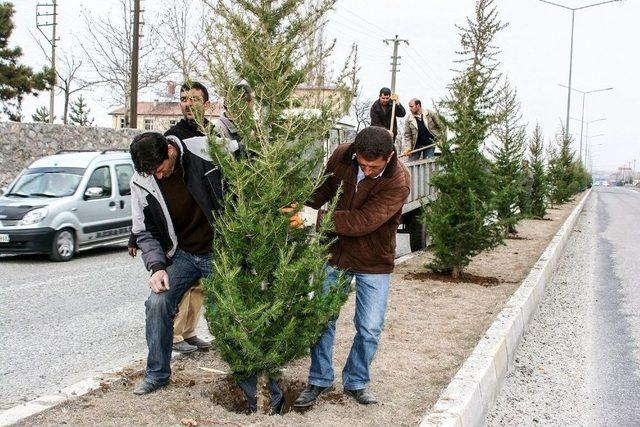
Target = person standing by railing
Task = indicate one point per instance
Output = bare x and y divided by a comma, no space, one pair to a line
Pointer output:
421,129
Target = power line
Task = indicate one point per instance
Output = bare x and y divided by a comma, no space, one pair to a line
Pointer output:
434,82
345,23
377,27
424,62
420,81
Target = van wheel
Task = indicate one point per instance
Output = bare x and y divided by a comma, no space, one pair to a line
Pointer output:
64,245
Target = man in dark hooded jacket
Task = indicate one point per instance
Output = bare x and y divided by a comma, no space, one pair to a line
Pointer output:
381,111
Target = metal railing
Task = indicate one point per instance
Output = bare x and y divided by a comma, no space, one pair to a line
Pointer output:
421,171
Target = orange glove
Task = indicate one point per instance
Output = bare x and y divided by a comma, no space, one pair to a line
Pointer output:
294,220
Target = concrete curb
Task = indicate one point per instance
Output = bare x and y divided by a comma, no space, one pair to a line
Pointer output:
42,403
473,390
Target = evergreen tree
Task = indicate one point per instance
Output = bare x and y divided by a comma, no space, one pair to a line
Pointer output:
539,187
562,176
79,114
16,80
507,153
582,177
41,115
460,221
265,299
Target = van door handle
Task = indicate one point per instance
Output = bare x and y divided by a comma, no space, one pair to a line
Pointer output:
112,204
121,204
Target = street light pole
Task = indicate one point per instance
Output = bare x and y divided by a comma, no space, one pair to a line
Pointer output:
584,95
573,19
573,16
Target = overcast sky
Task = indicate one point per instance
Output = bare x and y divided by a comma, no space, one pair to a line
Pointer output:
535,57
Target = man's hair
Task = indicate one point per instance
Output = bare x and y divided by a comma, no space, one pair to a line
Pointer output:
385,91
373,142
417,101
247,95
188,85
148,150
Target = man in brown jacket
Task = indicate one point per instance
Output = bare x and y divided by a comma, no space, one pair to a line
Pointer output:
375,187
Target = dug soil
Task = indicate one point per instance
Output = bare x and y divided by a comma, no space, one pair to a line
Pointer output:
431,326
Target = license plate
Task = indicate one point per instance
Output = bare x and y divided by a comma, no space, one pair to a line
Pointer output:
4,238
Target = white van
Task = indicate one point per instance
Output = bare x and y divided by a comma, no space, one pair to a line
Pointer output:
68,202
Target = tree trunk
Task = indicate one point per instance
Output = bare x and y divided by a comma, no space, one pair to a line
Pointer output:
263,396
66,107
456,272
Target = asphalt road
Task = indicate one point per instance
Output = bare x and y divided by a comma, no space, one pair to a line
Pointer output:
579,362
61,323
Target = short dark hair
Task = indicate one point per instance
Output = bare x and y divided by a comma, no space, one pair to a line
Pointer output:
247,95
385,91
417,102
373,142
148,150
188,85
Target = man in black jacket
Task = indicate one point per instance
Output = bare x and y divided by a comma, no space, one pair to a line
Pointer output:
381,111
194,101
176,195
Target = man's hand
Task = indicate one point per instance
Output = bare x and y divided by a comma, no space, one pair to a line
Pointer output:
406,152
159,281
394,97
133,251
294,220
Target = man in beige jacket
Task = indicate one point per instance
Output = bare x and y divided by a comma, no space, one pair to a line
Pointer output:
421,129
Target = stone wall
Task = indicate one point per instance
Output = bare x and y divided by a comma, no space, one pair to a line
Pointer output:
22,143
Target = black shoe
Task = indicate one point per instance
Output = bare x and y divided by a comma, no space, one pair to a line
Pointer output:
184,347
146,387
361,396
197,342
309,395
277,410
273,410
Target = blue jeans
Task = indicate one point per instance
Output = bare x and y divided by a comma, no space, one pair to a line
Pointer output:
250,388
424,154
371,304
161,308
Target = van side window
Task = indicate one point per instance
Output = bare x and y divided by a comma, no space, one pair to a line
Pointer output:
101,177
124,174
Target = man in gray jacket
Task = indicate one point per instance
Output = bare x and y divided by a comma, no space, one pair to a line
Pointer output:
421,129
176,196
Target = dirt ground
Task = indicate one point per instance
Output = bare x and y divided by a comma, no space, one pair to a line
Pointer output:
431,327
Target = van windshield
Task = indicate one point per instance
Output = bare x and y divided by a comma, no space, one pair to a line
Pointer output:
47,182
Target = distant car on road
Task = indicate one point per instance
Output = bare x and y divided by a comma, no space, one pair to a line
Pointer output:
68,202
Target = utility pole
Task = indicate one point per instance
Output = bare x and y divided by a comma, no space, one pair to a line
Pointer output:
394,59
54,14
135,48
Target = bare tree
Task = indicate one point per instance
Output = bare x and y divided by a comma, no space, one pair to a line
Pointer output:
361,109
69,77
182,32
108,49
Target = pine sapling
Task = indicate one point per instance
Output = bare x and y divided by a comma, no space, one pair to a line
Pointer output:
461,221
